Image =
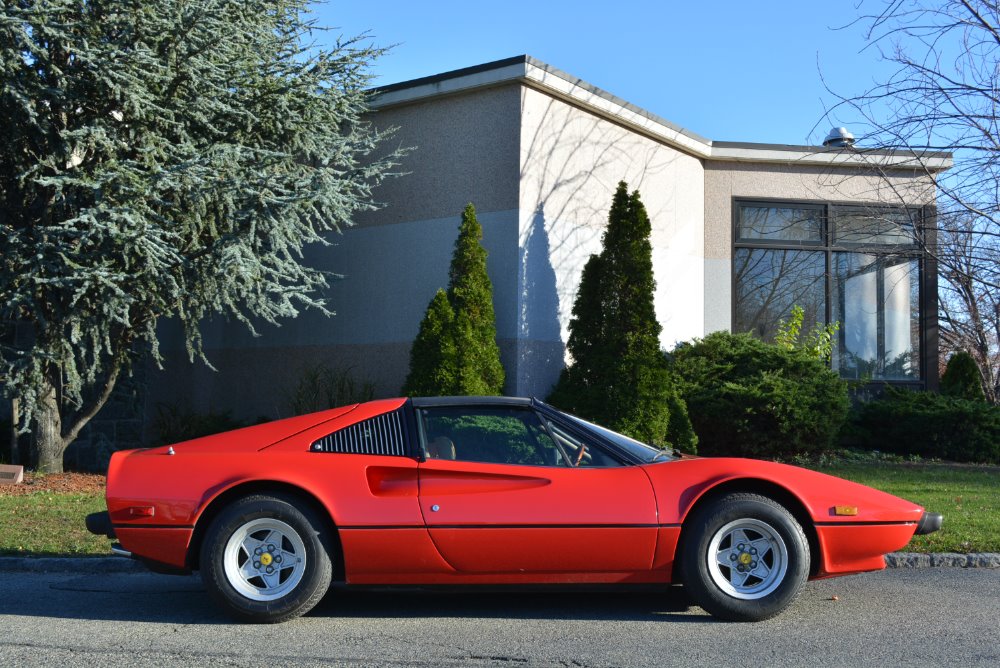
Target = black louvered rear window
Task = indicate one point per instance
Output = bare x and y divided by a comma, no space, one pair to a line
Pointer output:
380,435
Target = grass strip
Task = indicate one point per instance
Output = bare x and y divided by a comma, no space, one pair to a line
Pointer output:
50,525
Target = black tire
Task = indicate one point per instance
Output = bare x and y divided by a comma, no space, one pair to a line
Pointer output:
297,546
765,551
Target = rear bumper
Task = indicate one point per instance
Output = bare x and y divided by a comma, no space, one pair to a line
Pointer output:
929,523
100,524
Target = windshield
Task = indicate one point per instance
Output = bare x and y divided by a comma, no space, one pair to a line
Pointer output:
647,454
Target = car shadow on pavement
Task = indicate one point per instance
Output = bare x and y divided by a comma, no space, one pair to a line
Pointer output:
590,604
147,597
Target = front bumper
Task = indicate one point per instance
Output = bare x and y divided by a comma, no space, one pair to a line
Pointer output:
929,523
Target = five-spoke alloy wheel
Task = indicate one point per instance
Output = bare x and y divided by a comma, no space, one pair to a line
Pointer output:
267,558
745,559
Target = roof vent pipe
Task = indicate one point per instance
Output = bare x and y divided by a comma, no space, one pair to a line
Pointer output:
839,138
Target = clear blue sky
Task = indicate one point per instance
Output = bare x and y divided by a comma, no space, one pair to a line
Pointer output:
732,71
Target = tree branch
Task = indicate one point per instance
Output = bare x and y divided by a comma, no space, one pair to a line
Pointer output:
88,414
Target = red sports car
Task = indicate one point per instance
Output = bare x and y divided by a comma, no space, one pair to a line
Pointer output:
485,490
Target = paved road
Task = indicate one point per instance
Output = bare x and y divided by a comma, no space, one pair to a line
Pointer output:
894,618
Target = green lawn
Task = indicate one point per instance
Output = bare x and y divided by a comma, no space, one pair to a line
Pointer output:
967,496
51,523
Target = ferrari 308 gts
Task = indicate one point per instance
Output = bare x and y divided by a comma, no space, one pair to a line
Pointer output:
485,490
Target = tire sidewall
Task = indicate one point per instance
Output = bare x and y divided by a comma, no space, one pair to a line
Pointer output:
694,558
315,579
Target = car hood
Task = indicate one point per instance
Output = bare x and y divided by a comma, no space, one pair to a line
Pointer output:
820,494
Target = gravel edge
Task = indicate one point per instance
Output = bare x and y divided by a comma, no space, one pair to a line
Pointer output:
105,565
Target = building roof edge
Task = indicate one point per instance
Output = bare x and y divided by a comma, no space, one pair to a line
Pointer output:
540,75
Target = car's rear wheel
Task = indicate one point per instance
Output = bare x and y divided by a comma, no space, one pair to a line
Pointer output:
267,558
745,558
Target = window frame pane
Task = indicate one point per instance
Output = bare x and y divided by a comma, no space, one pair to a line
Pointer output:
840,212
877,267
818,279
767,239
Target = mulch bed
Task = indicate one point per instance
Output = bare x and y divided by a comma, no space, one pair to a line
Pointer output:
56,483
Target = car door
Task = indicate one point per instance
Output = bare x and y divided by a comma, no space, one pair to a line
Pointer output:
500,493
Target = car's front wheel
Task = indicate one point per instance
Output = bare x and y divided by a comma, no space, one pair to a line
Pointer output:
267,559
745,558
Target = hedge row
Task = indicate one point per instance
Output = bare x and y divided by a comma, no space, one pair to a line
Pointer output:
749,398
928,425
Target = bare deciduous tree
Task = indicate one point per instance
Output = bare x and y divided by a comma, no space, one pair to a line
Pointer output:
943,96
969,302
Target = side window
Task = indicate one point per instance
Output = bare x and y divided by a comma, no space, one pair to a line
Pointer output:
579,453
494,435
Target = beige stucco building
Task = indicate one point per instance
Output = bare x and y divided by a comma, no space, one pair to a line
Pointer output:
741,232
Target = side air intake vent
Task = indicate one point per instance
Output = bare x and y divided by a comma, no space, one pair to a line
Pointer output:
380,435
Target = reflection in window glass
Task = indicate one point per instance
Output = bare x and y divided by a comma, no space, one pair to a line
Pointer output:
873,226
497,435
780,223
646,453
580,453
770,282
876,300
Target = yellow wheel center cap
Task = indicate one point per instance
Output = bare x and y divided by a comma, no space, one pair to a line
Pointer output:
266,559
745,558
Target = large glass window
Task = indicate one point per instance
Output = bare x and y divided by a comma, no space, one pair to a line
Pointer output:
854,265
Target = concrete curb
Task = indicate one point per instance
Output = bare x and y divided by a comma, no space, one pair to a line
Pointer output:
111,565
85,565
943,559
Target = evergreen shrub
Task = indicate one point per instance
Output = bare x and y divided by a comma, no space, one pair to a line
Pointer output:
176,423
755,399
961,378
929,425
321,386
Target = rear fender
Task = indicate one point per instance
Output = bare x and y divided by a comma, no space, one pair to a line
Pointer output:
219,499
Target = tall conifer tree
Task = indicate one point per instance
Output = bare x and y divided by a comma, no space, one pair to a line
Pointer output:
458,354
618,376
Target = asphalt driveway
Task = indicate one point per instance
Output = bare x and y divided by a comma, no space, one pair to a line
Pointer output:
899,617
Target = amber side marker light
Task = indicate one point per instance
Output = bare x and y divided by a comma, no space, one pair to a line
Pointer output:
845,510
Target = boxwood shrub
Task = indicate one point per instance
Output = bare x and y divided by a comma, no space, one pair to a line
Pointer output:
750,398
929,425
